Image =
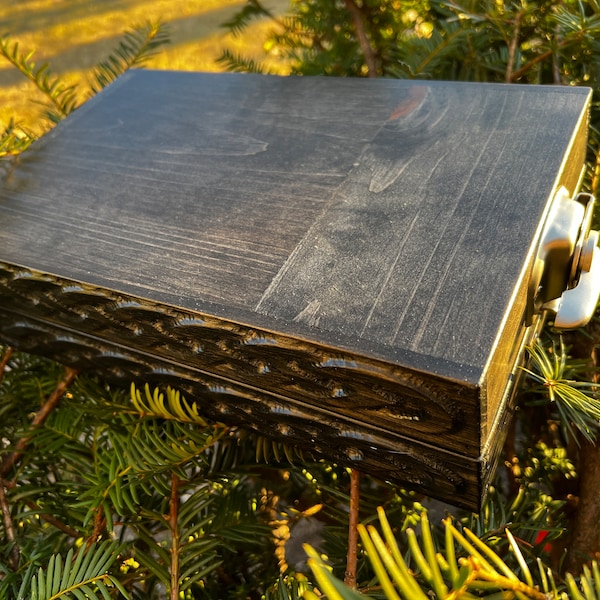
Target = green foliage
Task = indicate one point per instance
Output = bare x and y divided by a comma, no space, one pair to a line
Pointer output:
462,567
578,401
185,499
138,46
192,510
475,40
13,140
82,576
61,99
252,9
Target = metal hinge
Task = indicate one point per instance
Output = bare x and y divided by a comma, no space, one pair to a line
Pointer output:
565,279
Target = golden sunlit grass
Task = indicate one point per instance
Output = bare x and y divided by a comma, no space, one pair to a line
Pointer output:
74,35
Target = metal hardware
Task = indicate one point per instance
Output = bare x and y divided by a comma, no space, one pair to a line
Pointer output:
566,275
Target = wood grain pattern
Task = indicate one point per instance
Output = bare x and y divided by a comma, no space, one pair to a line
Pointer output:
341,258
451,224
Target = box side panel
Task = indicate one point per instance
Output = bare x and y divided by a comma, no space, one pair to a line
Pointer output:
408,403
318,431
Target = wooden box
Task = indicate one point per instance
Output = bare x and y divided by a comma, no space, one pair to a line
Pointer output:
344,265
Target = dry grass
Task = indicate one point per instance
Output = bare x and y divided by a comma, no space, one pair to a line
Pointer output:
74,35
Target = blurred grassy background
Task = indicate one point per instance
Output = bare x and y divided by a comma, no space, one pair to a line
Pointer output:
74,35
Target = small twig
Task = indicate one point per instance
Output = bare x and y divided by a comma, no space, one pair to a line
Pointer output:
546,54
4,361
53,520
99,526
534,61
352,558
40,417
9,530
11,485
363,40
13,458
173,523
512,48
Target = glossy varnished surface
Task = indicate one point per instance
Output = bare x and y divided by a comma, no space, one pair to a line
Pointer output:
351,254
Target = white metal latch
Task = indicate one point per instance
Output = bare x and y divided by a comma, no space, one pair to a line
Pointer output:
566,275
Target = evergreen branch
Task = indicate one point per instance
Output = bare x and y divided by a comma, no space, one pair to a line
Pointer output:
13,141
155,449
445,44
252,9
437,574
49,405
79,578
59,94
139,45
577,30
238,63
540,58
579,409
170,407
35,508
189,525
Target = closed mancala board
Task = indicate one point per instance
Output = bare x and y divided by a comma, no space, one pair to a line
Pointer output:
342,264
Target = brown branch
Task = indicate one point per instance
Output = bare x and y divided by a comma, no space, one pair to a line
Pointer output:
9,530
53,520
11,485
4,361
352,558
512,48
363,40
544,55
99,526
40,417
585,541
534,61
173,523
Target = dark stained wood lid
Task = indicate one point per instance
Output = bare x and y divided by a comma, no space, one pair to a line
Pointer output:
392,218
